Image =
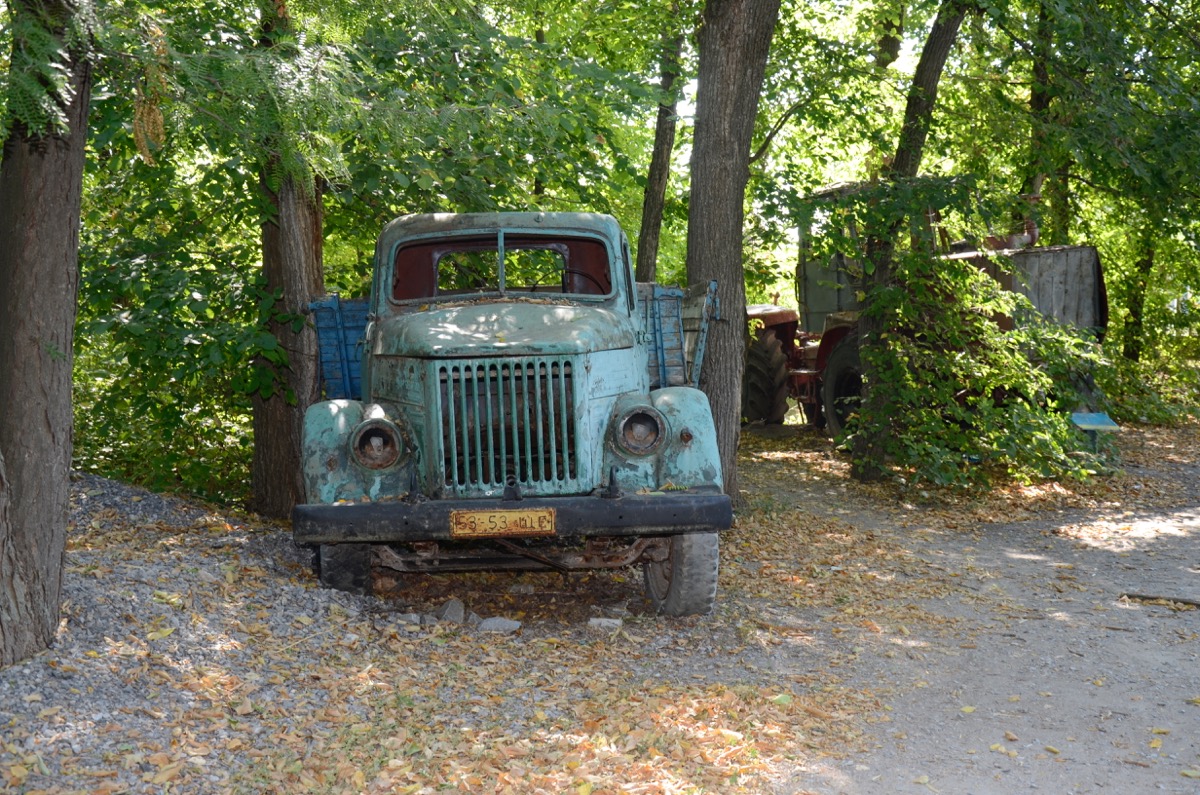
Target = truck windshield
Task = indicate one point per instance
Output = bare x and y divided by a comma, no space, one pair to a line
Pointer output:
513,263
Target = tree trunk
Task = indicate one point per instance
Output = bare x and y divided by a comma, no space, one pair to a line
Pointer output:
1133,337
870,443
292,243
1044,92
1058,193
660,159
41,178
734,39
292,263
922,95
1048,173
1040,97
891,34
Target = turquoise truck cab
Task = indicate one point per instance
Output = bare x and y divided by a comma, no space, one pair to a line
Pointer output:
508,397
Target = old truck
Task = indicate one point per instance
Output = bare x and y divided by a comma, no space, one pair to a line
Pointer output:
509,398
811,355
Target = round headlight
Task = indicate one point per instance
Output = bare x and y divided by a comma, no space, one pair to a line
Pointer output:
377,444
641,431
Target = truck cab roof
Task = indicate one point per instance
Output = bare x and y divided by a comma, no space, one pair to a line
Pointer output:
521,255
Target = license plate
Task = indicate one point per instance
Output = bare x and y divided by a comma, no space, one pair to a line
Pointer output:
520,522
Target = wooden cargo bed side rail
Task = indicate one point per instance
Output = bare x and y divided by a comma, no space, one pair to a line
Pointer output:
341,326
676,322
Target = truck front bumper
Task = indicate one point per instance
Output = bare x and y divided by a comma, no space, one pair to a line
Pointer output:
666,513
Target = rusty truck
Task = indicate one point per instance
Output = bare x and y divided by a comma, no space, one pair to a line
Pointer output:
508,397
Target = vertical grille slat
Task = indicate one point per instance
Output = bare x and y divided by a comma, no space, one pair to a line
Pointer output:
503,458
464,417
513,418
525,427
449,418
568,435
539,452
552,405
476,427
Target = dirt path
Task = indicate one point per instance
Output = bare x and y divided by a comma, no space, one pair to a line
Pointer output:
1047,665
1044,678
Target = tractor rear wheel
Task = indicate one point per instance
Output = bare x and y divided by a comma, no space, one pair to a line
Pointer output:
765,381
841,388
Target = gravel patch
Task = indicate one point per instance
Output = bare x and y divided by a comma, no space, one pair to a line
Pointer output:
163,602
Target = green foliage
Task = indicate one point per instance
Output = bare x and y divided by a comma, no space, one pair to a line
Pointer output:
171,312
464,117
965,400
1114,132
1161,392
960,399
174,439
42,43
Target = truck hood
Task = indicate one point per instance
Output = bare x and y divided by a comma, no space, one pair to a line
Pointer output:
504,329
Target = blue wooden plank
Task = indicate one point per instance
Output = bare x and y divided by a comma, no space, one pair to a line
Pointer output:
1093,421
341,325
672,324
701,307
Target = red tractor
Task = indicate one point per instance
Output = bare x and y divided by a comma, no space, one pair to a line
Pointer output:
819,370
811,355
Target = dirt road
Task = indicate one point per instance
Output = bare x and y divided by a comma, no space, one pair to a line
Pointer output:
1062,656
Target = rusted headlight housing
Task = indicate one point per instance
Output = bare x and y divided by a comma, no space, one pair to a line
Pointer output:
641,430
378,444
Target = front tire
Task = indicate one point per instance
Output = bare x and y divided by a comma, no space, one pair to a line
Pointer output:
345,567
685,584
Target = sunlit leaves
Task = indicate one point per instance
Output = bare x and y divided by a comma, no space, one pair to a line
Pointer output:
960,399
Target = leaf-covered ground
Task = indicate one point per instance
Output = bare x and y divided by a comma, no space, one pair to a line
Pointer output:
199,655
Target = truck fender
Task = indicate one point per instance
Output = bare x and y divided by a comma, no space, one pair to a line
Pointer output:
690,457
326,466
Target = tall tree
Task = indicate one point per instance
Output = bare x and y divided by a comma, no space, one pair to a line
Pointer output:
41,179
870,442
734,42
654,196
292,245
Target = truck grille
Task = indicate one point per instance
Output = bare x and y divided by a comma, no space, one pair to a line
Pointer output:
508,419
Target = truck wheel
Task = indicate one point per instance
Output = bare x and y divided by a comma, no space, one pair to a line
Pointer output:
685,584
345,567
841,388
765,381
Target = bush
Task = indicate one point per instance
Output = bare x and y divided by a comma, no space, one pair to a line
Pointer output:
1162,392
179,437
963,401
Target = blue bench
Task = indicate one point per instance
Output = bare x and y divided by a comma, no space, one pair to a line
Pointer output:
1093,422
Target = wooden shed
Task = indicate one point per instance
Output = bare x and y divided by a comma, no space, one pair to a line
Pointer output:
1064,283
